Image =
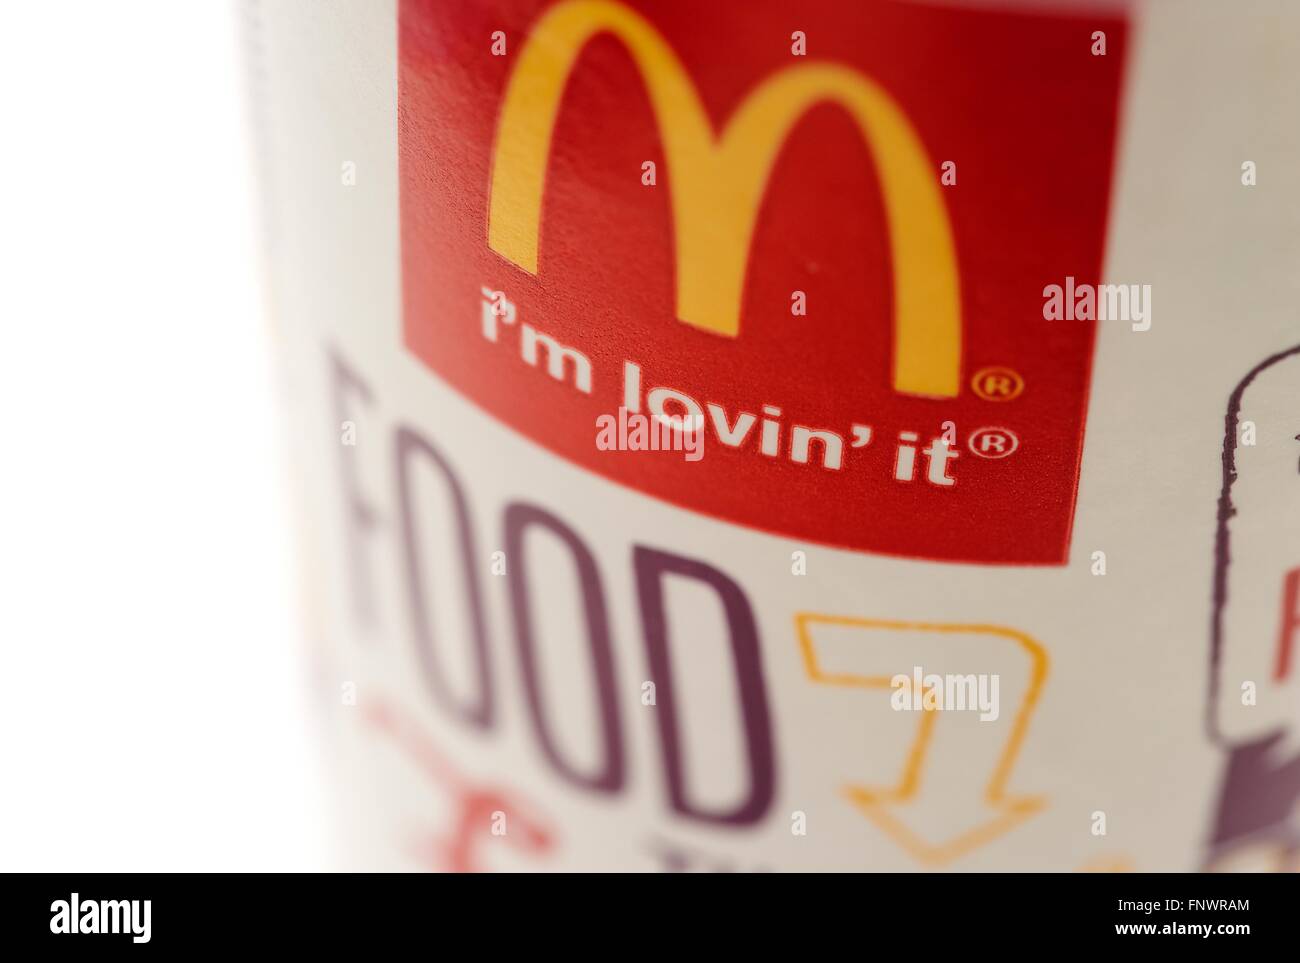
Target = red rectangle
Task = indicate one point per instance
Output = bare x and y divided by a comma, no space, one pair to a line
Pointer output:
912,176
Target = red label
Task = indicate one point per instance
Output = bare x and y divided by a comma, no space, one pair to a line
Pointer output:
826,228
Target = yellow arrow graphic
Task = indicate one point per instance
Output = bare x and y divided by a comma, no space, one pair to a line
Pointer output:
878,803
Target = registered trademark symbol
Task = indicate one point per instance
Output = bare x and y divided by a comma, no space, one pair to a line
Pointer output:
993,442
997,383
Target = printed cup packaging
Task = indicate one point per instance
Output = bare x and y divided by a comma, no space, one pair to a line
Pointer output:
844,435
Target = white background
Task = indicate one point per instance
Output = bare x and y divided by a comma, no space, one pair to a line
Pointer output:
152,711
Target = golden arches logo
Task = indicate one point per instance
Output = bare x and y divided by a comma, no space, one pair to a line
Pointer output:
718,181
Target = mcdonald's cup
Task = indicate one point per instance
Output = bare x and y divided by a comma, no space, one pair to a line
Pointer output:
821,436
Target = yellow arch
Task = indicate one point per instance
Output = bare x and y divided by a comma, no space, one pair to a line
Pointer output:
718,182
